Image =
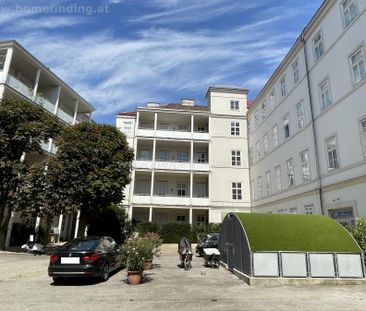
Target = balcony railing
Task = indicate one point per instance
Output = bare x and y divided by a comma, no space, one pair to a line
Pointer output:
45,103
21,87
65,116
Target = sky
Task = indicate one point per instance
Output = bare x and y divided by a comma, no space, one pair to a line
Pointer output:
120,54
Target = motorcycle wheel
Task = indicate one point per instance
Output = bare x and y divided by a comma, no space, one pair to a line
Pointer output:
187,263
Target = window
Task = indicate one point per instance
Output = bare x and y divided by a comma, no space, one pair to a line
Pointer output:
268,183
145,155
235,128
181,218
278,178
272,98
234,105
300,114
309,209
332,155
293,210
295,71
275,136
200,219
182,156
252,189
260,187
318,46
251,155
286,126
305,169
2,58
235,158
258,149
236,190
164,126
350,11
290,173
163,155
283,86
325,99
264,112
358,65
256,121
201,157
363,135
181,189
142,187
162,188
201,128
200,190
265,144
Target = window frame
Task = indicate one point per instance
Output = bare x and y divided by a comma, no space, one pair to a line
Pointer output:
3,58
236,191
234,128
260,187
322,92
265,144
278,178
360,48
296,71
304,177
268,183
275,137
283,86
234,105
330,169
301,121
235,157
272,99
345,23
290,173
363,135
316,46
286,126
258,150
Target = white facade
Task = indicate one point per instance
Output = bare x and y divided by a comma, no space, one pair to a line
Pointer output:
315,102
191,161
23,77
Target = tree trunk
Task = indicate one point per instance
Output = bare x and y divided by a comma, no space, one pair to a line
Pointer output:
2,239
83,222
4,222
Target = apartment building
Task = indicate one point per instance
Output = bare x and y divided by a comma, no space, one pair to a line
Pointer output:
191,161
24,77
307,127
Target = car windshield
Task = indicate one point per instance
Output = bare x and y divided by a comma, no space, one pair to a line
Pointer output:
214,237
81,245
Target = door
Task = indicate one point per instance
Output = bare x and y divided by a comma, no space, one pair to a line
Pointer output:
162,188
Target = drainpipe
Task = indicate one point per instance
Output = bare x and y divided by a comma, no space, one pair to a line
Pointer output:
319,181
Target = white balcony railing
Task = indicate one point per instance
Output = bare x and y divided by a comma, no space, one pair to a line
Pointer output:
201,136
65,116
174,134
171,200
175,166
145,132
141,199
45,103
200,201
19,86
144,164
205,167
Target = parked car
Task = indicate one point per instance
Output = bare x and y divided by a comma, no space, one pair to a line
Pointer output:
93,256
210,240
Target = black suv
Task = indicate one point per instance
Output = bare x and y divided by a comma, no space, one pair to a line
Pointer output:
210,240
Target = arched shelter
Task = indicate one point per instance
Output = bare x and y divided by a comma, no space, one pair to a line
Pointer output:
289,246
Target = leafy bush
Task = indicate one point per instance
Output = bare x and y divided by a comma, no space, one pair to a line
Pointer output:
145,227
200,230
174,231
359,233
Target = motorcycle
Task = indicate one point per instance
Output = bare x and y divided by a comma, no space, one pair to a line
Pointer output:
212,257
32,247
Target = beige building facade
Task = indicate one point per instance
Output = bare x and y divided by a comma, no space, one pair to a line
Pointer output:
191,161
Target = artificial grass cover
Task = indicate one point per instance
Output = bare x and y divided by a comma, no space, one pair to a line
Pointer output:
305,233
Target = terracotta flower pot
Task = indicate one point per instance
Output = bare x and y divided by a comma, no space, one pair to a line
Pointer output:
134,277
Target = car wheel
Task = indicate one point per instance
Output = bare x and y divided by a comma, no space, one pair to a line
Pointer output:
105,273
57,280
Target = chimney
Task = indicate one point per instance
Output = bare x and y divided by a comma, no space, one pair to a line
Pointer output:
153,104
187,102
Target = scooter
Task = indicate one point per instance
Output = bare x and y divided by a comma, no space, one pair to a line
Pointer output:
33,247
212,257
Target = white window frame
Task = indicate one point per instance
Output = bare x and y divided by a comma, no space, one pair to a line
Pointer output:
300,112
275,136
290,173
235,157
234,105
358,68
166,152
159,188
142,188
305,166
256,120
235,128
309,209
251,155
325,94
182,156
182,189
236,191
278,178
318,46
264,110
346,12
252,188
3,53
296,70
272,99
265,144
268,183
286,126
283,86
363,135
258,150
332,153
260,187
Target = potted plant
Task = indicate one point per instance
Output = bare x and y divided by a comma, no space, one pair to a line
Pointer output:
134,259
151,248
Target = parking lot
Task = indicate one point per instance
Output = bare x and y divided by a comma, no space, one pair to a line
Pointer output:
25,285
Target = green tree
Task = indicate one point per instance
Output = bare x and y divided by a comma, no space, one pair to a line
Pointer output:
89,172
23,126
359,233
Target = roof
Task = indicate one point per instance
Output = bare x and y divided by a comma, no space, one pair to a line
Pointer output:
130,114
250,103
226,89
303,233
184,107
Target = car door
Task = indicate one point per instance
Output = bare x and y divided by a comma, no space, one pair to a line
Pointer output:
113,253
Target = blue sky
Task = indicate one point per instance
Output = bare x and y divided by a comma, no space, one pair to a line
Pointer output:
120,54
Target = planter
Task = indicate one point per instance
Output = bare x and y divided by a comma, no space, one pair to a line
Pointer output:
134,277
148,264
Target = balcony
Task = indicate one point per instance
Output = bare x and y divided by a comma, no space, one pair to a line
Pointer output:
170,165
45,103
201,135
202,167
143,132
171,200
65,116
19,86
141,199
200,201
144,164
172,134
